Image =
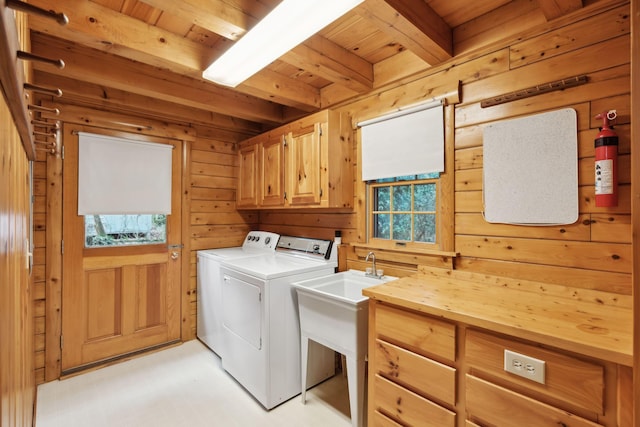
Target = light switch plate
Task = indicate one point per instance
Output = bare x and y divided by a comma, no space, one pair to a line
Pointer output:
524,366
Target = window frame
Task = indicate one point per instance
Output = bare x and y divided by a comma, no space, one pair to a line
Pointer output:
402,244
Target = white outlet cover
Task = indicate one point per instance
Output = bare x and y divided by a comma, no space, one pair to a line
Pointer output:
524,366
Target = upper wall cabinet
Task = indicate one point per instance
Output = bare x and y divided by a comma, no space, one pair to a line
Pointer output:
304,164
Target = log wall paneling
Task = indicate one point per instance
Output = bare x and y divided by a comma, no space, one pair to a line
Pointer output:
597,248
17,287
635,207
214,221
17,383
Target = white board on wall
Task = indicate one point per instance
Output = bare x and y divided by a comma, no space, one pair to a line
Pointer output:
530,169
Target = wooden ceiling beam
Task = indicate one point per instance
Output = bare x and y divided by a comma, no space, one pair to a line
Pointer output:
270,85
317,55
107,98
556,8
413,24
218,16
107,30
326,59
98,67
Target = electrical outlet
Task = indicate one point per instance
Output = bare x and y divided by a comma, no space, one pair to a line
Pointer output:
524,366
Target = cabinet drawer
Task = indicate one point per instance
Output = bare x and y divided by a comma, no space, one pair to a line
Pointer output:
494,405
419,333
429,377
409,408
381,420
568,379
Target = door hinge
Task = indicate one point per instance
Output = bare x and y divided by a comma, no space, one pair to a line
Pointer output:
61,342
284,141
62,247
62,152
285,195
320,130
321,192
260,297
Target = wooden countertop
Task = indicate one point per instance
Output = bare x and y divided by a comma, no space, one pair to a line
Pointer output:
583,321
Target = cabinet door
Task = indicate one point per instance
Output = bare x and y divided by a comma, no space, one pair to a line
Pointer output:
272,172
303,154
247,196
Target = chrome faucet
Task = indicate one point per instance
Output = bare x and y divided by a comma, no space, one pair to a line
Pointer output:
374,272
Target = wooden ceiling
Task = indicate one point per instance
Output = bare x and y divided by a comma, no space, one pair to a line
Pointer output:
151,53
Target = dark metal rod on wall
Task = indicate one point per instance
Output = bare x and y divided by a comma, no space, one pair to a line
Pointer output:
534,90
28,56
49,125
45,109
60,18
45,90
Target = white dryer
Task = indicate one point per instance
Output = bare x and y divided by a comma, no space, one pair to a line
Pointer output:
261,330
209,283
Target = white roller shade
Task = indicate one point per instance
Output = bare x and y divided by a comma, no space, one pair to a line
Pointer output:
122,176
407,142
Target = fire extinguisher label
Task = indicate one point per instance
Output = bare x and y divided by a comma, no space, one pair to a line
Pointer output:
604,176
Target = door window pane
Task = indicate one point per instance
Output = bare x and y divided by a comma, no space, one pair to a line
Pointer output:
124,230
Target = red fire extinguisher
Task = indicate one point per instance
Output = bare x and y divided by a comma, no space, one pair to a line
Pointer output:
606,145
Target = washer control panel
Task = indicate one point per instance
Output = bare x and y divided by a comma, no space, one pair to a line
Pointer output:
261,240
304,246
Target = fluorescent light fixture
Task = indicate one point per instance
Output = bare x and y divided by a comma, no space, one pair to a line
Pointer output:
286,26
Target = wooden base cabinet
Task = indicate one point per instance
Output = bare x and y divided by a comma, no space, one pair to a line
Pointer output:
304,164
429,371
411,380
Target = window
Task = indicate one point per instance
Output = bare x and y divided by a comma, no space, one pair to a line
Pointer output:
124,230
403,209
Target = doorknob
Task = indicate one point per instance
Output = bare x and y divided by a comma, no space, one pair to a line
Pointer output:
175,255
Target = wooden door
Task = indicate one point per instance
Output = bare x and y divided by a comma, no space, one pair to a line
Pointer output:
247,177
272,172
117,300
303,147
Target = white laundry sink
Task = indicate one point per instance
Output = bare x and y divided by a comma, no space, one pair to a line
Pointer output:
344,287
333,309
334,313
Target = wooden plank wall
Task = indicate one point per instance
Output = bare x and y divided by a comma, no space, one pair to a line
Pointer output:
593,253
39,260
214,221
17,385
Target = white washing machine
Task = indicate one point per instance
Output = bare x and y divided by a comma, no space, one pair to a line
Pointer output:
209,283
261,330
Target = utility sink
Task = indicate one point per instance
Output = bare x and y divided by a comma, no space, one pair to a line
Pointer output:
334,313
345,287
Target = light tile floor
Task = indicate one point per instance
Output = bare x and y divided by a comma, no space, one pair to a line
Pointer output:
180,386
